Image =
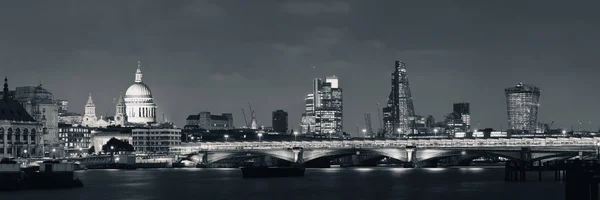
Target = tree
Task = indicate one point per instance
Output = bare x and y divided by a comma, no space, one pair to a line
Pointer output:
92,150
118,145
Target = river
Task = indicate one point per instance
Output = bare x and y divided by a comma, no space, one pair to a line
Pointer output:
330,184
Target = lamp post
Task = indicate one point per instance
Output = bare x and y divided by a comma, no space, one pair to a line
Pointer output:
25,153
364,133
295,135
226,136
259,136
435,130
53,153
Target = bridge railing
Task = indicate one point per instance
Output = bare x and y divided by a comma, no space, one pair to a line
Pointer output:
433,143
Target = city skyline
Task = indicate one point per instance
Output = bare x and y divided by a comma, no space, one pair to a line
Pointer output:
474,69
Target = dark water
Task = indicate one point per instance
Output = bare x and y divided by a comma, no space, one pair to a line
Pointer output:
330,184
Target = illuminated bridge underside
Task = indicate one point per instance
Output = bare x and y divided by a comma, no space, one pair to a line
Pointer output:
543,149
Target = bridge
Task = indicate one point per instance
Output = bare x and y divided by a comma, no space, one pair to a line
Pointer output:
420,152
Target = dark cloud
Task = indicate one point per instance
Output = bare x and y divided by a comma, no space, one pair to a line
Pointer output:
218,55
316,7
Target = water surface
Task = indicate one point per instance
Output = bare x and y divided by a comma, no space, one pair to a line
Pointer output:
330,184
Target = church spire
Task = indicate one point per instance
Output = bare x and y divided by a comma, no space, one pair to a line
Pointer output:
138,74
5,94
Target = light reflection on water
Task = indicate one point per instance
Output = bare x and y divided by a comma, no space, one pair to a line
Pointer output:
330,183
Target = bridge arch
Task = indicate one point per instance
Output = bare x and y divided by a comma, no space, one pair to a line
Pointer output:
430,155
395,153
212,157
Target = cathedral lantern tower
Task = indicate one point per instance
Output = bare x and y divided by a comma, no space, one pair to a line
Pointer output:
139,104
89,118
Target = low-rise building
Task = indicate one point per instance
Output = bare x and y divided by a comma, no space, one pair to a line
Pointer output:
155,140
76,139
20,134
206,121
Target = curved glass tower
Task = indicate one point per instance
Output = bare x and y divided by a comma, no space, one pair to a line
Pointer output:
522,103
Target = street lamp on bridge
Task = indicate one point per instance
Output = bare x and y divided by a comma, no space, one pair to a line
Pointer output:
25,153
259,136
295,135
226,136
364,133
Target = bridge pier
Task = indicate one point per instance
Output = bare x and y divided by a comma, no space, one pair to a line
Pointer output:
297,155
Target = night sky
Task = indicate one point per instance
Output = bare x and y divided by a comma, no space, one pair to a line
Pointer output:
218,55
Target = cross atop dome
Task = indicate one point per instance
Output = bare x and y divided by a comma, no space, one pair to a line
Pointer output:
138,74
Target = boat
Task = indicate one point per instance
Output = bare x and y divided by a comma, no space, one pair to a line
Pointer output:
272,172
49,175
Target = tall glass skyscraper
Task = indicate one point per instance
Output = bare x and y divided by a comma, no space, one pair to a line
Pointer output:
323,116
400,112
522,103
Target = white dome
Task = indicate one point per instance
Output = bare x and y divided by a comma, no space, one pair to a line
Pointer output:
138,90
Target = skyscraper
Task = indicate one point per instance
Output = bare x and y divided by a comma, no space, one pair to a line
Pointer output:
522,102
323,116
399,113
280,121
465,113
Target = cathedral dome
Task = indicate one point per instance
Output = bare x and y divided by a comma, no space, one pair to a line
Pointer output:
138,90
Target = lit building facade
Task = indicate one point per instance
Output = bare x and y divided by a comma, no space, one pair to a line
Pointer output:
280,121
463,109
89,116
136,108
155,140
77,139
207,121
139,103
40,104
399,115
323,115
522,103
63,107
20,133
70,118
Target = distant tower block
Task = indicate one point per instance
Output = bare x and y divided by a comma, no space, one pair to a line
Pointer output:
522,103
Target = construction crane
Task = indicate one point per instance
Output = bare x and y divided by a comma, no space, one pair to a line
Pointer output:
368,124
245,120
253,123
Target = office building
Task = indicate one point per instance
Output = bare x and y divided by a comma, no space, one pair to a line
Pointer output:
522,103
207,121
280,121
155,140
463,110
399,115
77,139
323,115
